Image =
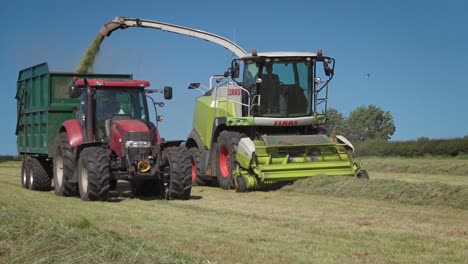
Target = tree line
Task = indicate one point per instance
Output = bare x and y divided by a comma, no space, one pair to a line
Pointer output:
369,128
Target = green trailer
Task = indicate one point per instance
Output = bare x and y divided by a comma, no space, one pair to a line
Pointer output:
43,104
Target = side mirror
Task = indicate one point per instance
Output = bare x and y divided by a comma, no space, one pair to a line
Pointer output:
234,69
167,92
328,71
194,86
74,92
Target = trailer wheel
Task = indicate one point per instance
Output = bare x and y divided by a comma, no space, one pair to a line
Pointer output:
177,176
197,177
226,151
94,174
64,167
39,179
25,173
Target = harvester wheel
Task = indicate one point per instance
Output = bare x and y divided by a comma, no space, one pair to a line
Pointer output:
362,175
178,174
39,179
226,151
197,177
241,185
25,173
64,167
94,174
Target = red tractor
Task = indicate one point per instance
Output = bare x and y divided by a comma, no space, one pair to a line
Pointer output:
112,139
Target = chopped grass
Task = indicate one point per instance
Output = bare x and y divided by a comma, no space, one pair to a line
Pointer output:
430,193
87,61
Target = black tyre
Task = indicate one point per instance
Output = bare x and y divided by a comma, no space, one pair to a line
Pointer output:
362,175
241,185
94,174
39,178
197,177
226,151
177,178
144,188
64,167
25,173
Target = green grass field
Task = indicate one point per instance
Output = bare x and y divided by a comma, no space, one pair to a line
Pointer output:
318,220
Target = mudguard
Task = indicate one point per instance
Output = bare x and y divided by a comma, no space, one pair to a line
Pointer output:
74,132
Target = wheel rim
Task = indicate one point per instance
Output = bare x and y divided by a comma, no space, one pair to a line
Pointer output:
194,170
31,178
25,176
84,177
59,170
224,162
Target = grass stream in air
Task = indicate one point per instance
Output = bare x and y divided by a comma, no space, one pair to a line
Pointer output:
87,61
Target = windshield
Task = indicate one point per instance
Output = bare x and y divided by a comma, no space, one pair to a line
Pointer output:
115,101
287,86
284,86
118,102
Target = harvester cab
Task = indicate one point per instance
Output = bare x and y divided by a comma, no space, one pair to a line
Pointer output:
264,127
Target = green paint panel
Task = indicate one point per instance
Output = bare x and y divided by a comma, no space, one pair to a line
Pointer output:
43,105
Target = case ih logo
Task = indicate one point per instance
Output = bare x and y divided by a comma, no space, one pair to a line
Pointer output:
234,92
286,123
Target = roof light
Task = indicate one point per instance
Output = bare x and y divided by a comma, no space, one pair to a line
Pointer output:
319,52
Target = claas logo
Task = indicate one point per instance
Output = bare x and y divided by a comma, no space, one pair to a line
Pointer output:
234,92
286,123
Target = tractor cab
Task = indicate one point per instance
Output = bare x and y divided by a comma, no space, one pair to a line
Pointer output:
108,100
283,84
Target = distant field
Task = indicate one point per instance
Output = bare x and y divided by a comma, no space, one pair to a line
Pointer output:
312,221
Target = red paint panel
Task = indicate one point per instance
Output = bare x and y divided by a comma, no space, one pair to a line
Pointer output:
120,128
113,83
74,133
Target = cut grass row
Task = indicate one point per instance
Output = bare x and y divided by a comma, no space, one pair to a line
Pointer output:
29,238
424,193
219,226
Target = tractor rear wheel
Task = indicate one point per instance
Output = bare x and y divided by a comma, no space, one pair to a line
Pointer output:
94,174
25,172
64,167
197,177
39,178
177,175
226,151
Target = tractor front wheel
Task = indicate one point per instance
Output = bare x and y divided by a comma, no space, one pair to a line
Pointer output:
94,174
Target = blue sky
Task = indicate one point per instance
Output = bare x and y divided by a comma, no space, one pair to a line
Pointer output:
415,52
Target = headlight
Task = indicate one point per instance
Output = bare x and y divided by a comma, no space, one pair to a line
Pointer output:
137,144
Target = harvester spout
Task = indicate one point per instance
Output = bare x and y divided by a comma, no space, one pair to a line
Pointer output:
111,26
125,22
